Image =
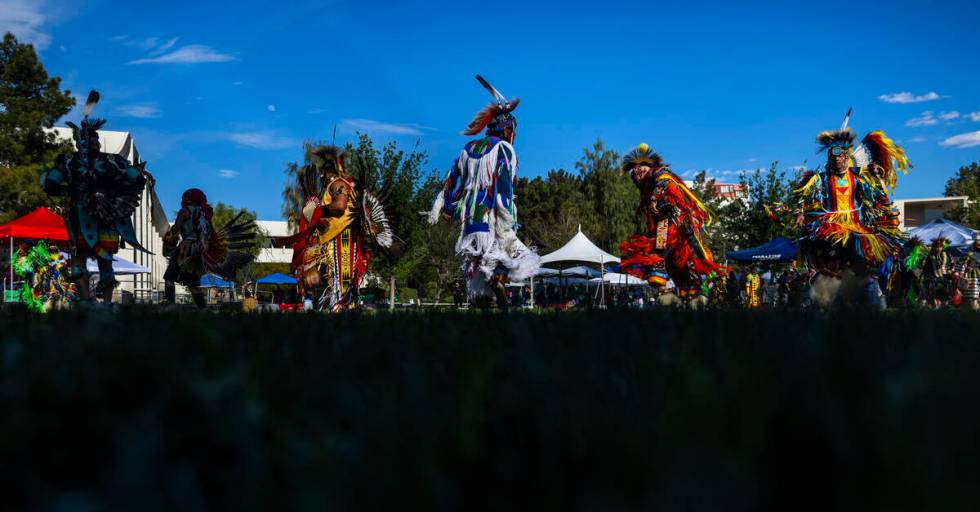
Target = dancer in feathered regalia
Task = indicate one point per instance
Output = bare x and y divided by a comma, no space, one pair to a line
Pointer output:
849,225
479,192
339,213
968,274
194,247
102,192
673,246
43,271
916,252
846,214
936,269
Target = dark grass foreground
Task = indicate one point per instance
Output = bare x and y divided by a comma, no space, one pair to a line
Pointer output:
615,411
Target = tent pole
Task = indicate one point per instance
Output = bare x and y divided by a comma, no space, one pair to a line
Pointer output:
11,269
391,295
532,292
602,281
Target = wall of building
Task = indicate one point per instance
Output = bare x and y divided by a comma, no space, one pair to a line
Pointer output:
917,212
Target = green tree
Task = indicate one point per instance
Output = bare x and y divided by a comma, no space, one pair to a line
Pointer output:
610,196
550,209
398,173
745,223
966,183
30,103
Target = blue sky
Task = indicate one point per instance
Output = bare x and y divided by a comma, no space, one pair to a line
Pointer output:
221,95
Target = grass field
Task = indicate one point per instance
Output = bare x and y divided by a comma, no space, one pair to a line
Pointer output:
725,410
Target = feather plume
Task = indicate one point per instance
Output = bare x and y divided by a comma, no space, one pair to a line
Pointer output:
499,98
500,105
93,98
482,119
847,118
888,155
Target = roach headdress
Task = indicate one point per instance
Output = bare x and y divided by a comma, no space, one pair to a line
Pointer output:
495,116
836,139
328,158
81,135
643,155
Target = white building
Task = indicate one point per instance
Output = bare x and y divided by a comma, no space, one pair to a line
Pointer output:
921,211
149,220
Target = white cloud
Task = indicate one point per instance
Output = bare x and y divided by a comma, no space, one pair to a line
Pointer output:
271,108
24,19
227,173
949,116
190,54
148,43
237,83
974,116
145,111
907,97
963,140
317,111
926,119
369,126
917,139
259,140
166,46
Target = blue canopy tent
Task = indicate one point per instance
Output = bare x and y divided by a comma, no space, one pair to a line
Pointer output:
213,281
276,278
775,250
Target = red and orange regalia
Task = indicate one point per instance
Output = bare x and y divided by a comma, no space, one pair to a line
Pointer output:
672,248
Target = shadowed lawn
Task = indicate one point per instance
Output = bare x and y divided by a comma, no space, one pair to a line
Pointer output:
726,410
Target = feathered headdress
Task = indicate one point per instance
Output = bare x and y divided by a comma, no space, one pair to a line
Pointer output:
495,115
884,153
643,155
843,138
915,253
830,139
327,158
88,125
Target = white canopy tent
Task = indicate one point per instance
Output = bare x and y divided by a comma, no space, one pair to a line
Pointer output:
955,233
577,251
120,267
612,278
577,271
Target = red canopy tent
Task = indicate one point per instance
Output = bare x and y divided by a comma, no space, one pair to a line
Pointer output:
41,223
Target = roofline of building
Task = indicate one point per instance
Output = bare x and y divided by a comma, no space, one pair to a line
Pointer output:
933,199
